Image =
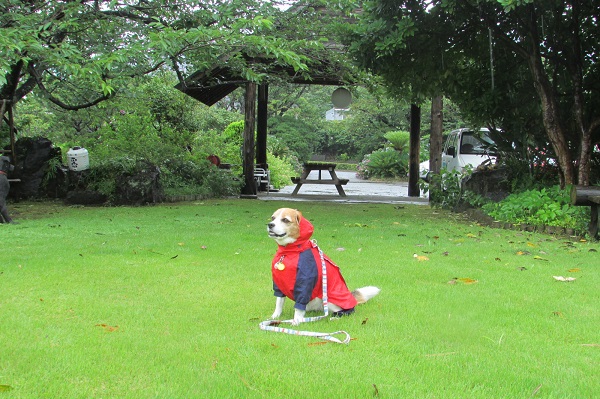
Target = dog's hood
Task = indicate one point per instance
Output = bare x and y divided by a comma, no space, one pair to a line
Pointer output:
303,241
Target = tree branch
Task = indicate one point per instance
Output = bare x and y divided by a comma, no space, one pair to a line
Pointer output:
35,74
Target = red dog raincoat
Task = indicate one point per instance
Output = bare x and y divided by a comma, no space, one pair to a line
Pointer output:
297,273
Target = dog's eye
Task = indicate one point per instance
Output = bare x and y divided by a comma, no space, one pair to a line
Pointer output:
287,221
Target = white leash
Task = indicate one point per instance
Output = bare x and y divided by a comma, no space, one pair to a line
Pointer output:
271,325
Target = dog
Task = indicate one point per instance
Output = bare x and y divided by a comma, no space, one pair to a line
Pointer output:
5,167
297,271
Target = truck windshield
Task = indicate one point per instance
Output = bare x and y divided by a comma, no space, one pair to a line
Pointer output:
476,143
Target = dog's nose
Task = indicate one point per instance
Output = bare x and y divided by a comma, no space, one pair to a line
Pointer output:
271,225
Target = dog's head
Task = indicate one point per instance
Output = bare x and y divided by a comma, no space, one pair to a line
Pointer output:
284,226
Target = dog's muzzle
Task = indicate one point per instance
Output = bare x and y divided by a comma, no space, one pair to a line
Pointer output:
272,233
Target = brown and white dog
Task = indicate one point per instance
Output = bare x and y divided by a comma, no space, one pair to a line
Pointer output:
297,270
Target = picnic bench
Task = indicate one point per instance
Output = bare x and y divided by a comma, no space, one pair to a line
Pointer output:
320,167
588,196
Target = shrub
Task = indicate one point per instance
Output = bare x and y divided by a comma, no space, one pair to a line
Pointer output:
446,189
282,170
548,206
399,139
384,163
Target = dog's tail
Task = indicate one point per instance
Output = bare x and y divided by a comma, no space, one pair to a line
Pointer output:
363,294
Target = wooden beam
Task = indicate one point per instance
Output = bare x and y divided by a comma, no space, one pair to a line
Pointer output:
261,126
584,195
249,189
415,145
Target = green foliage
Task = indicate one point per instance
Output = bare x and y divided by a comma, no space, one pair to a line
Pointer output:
399,139
384,163
300,136
446,189
548,206
282,170
183,177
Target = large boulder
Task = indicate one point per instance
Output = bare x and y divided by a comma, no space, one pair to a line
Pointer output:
490,182
140,187
38,166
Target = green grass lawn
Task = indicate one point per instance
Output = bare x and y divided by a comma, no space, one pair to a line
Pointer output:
165,302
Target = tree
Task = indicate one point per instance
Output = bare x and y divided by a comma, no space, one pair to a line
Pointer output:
78,54
441,45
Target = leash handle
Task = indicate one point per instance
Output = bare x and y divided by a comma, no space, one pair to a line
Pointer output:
269,325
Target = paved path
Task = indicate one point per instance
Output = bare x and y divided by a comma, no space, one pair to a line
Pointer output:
357,190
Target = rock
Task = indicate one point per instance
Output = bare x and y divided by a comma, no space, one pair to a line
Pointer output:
140,187
489,182
37,165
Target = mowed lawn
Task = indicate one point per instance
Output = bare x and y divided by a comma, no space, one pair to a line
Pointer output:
165,302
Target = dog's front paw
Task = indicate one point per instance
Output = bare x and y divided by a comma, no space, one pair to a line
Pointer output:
275,315
298,317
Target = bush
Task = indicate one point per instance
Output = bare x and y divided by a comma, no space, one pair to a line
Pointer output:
178,176
399,139
446,189
548,206
383,163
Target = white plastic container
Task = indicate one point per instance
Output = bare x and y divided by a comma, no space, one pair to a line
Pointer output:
78,159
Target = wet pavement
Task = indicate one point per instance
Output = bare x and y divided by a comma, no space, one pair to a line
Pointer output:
357,191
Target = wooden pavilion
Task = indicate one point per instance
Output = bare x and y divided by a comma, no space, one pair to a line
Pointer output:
211,85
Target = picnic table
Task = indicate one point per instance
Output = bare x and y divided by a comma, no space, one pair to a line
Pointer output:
320,167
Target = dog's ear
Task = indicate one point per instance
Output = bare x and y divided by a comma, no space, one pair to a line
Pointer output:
298,216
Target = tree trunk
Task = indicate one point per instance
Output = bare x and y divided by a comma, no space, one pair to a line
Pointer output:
415,144
550,109
435,137
249,189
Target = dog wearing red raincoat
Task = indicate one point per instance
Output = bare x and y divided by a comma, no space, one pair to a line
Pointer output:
297,270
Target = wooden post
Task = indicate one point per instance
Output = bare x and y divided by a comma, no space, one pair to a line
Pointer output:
261,126
415,145
249,189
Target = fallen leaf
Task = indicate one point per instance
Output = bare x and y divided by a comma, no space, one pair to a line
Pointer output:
173,257
522,268
596,345
446,253
565,279
365,321
592,250
108,328
523,253
530,244
203,247
470,235
5,388
340,249
181,244
376,393
574,270
540,258
559,314
420,258
467,280
498,259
